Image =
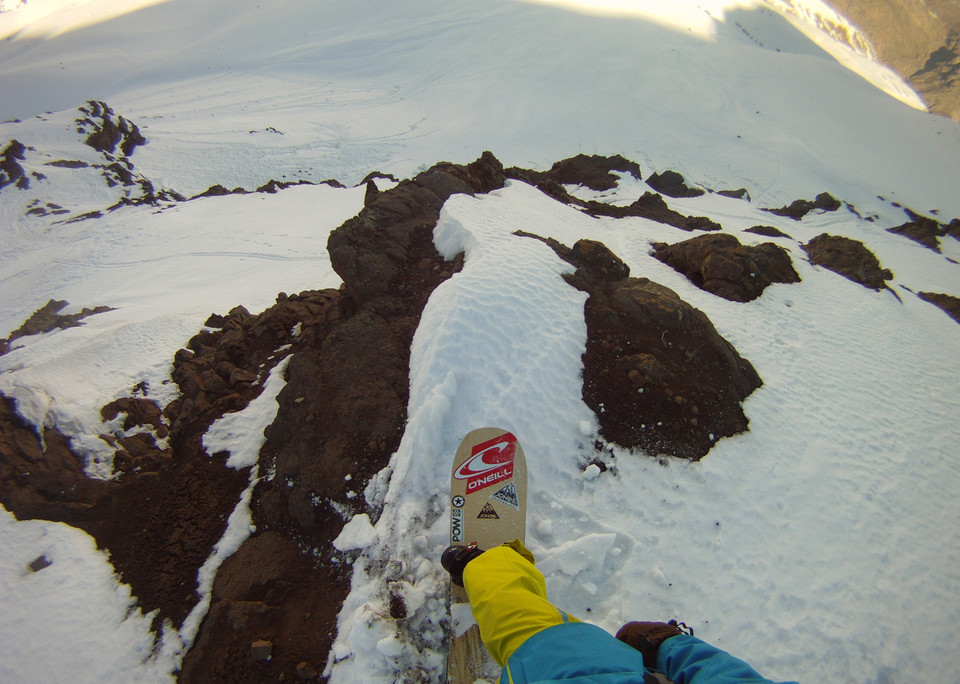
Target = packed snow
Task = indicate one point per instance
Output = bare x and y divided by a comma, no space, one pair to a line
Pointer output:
820,545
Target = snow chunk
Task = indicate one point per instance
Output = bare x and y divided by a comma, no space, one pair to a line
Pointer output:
356,534
573,557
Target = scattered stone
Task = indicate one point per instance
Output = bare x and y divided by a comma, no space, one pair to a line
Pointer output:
39,563
261,649
802,207
849,258
949,303
718,263
672,184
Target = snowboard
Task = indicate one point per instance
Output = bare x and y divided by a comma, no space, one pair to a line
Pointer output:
488,495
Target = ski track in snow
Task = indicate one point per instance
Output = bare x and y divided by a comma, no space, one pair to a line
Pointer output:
820,545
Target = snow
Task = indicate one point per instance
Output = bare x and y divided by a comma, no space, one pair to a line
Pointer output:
822,544
71,619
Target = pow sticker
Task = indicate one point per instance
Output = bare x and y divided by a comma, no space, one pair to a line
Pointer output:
490,463
508,495
488,512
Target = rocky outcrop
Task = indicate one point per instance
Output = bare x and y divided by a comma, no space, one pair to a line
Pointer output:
768,231
595,172
849,258
801,207
48,318
341,416
718,263
105,130
11,172
926,231
672,184
949,303
656,372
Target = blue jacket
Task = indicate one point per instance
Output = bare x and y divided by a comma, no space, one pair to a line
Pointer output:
583,653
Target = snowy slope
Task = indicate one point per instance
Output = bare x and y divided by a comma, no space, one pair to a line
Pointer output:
804,546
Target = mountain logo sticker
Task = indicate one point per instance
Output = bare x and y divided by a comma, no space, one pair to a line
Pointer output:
508,495
488,512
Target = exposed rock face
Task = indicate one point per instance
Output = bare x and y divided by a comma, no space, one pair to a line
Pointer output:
849,258
656,372
920,39
718,263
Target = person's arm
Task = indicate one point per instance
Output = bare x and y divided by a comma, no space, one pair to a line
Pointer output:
688,660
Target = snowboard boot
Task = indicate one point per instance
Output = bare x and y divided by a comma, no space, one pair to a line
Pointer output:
455,559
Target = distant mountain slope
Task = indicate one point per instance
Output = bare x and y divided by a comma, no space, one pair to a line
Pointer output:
920,39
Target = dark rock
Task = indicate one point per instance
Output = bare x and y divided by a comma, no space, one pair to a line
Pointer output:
402,220
48,318
139,411
341,416
742,193
109,130
768,231
594,172
718,263
849,258
68,164
800,208
219,191
921,229
371,193
652,206
656,372
11,173
39,563
949,303
671,183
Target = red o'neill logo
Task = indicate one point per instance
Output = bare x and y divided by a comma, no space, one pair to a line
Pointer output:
489,463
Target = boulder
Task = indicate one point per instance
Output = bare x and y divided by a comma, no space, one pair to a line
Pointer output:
672,184
656,372
849,258
718,263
